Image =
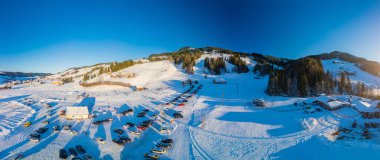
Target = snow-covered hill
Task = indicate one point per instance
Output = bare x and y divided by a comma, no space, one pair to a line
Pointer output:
337,66
219,120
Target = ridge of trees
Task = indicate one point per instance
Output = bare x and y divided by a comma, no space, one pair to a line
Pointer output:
240,65
215,65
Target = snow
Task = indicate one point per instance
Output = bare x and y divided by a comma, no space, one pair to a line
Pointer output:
358,75
220,121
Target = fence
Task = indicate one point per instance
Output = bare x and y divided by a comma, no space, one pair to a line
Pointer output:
105,83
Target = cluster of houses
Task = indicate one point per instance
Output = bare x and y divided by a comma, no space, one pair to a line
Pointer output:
368,109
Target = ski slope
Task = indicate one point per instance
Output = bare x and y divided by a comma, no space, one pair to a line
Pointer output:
220,121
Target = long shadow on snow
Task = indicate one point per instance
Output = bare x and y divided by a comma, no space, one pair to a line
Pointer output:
86,142
89,102
40,146
14,98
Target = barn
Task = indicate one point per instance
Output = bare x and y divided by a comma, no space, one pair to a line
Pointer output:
77,112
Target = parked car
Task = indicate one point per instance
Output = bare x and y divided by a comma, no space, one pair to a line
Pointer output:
80,149
56,128
16,156
73,152
167,140
62,154
100,140
129,124
41,130
136,132
27,124
165,130
97,122
164,145
146,110
87,157
45,122
125,139
151,156
118,131
76,158
177,115
74,132
141,114
158,150
122,140
67,127
34,137
142,127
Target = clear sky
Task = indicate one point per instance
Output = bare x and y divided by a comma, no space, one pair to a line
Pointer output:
53,35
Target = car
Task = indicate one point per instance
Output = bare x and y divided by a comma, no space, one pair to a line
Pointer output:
110,119
177,115
118,141
165,130
67,127
142,127
125,139
80,149
97,122
27,124
129,124
181,105
122,140
164,145
136,132
56,128
118,131
167,140
41,130
148,122
100,140
16,156
158,150
146,110
76,158
74,132
73,152
62,154
87,157
151,156
141,114
45,122
35,137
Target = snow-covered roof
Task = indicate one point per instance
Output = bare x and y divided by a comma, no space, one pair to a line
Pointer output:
219,80
363,106
324,99
77,110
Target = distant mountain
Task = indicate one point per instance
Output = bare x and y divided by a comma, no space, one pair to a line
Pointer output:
11,76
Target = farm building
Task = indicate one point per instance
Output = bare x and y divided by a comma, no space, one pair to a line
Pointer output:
77,112
367,110
219,81
329,103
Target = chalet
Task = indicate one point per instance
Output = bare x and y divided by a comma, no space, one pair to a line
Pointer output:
219,81
329,103
77,112
367,110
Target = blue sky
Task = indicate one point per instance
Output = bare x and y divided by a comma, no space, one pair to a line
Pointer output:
50,36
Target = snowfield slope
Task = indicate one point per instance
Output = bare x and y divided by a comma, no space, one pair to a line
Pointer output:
220,121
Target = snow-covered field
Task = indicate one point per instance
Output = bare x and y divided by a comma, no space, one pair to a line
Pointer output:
220,121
